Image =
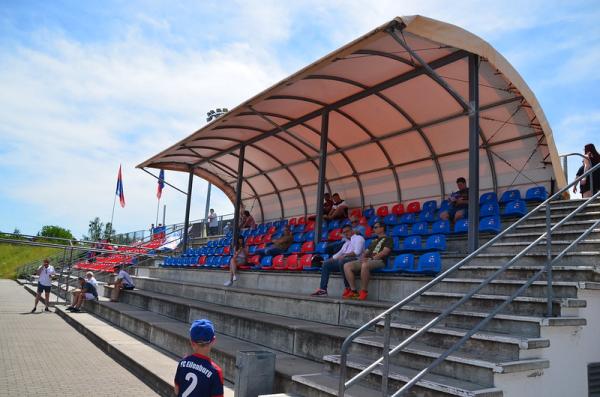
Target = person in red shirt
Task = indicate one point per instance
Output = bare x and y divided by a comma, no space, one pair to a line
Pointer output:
197,375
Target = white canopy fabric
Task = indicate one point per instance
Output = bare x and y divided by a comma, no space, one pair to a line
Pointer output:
395,133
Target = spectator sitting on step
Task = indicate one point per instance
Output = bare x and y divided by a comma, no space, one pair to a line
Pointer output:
87,292
123,281
247,220
45,273
352,249
197,375
459,202
279,245
374,258
239,258
591,182
89,276
339,210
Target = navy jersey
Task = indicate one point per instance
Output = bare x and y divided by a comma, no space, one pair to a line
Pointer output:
199,376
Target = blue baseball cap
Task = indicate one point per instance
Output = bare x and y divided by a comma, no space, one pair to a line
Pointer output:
202,331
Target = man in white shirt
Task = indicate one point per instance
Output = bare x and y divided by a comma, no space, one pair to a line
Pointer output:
45,273
213,223
352,249
123,281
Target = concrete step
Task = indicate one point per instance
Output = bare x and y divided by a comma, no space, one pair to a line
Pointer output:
522,326
592,246
530,259
518,272
299,337
539,225
492,346
522,305
172,336
470,367
564,235
432,384
560,289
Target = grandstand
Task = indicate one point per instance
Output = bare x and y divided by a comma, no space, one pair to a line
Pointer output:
503,303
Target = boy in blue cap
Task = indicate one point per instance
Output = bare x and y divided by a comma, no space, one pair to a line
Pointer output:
197,375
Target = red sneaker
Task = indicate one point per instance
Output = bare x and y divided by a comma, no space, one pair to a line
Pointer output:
347,293
362,295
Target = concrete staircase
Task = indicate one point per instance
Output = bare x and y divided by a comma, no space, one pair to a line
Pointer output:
520,351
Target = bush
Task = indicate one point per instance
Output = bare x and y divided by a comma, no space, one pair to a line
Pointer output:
55,231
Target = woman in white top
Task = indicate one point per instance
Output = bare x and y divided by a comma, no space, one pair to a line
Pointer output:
239,258
89,276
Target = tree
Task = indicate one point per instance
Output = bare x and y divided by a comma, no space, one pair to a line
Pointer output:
17,232
55,231
95,229
109,232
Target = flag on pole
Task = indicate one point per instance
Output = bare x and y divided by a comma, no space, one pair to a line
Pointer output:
119,191
161,183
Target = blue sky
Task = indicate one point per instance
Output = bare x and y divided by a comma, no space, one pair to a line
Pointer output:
89,85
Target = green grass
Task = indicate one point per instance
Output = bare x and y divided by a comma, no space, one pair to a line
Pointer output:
14,256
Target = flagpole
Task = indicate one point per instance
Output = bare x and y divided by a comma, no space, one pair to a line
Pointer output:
113,214
157,209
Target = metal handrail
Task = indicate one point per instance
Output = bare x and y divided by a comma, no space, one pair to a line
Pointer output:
387,313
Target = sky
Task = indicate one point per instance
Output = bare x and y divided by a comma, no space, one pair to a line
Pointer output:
88,86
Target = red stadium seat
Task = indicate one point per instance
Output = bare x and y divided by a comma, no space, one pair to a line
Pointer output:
250,241
398,209
363,221
226,250
306,261
368,232
301,221
279,262
292,221
202,260
258,239
355,213
310,226
308,246
413,207
261,246
292,263
267,238
383,211
335,235
272,230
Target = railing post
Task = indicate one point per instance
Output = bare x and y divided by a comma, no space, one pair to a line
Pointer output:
549,260
62,270
386,355
68,275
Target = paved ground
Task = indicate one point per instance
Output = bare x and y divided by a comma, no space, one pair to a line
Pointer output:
42,355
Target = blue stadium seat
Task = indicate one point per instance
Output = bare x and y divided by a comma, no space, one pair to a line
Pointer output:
444,204
408,218
252,249
537,193
324,235
321,248
442,227
388,268
369,212
298,228
510,195
461,226
436,242
490,224
225,260
334,224
344,222
429,206
430,263
374,219
245,233
420,228
427,216
294,248
405,263
489,197
254,232
391,219
489,209
299,237
265,263
309,236
411,244
400,231
262,229
515,208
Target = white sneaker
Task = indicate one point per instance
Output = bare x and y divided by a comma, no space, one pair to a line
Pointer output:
228,283
234,278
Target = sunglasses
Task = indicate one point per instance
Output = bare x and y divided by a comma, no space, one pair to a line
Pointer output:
376,226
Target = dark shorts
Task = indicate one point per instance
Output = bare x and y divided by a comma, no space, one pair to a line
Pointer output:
128,287
43,288
453,210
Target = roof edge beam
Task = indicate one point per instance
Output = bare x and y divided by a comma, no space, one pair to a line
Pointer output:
238,195
321,179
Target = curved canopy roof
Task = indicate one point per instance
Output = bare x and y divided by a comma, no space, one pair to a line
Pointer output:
395,132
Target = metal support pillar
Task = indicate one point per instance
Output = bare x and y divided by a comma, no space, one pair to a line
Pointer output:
321,180
473,238
238,195
188,203
207,208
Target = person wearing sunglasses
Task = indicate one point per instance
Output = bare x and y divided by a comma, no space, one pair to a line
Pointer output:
374,258
354,245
